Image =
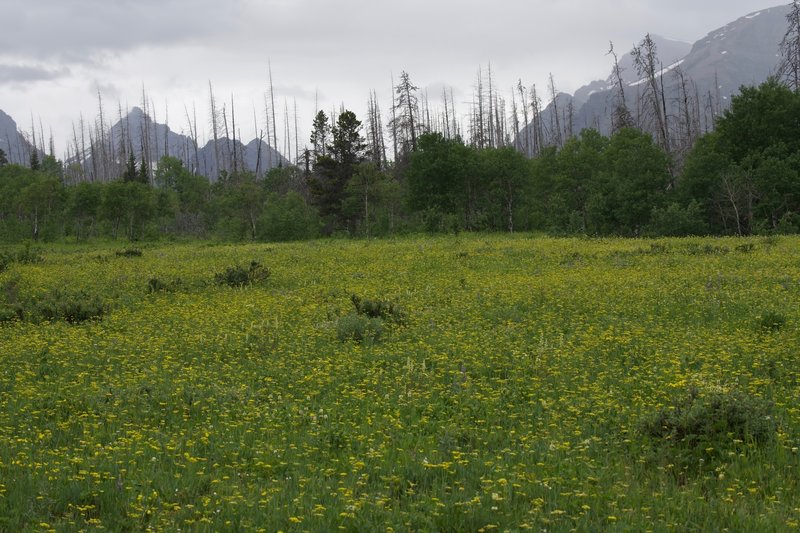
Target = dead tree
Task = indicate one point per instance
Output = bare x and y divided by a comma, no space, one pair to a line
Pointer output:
789,65
621,115
645,58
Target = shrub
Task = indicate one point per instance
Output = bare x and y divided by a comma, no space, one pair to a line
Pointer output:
239,276
703,425
359,328
677,221
72,307
9,313
157,285
288,218
384,309
771,321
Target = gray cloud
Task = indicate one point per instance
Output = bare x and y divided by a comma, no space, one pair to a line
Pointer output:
81,30
338,50
20,74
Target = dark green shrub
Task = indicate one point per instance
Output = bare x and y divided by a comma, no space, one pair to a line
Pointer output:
704,425
359,328
771,321
9,313
745,248
72,307
157,285
27,255
239,276
677,221
384,309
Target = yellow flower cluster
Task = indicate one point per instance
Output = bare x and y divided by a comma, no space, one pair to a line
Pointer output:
510,398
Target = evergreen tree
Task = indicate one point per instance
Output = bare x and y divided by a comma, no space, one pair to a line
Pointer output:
131,173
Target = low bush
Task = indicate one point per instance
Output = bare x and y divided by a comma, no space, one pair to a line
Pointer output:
359,328
72,307
770,321
704,425
383,309
158,285
239,276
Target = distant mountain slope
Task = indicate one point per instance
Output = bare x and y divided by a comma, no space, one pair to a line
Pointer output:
137,132
15,145
743,52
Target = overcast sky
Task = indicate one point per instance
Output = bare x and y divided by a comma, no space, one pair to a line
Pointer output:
56,54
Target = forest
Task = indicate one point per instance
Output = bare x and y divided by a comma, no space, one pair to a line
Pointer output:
740,179
663,169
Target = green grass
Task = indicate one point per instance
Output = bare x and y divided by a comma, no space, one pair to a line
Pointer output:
517,392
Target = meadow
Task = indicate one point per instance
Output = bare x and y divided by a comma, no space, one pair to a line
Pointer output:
489,383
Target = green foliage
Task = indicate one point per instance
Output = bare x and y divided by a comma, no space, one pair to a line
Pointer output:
336,165
702,426
239,276
155,285
26,256
745,174
440,174
770,321
676,221
373,308
287,218
72,307
359,328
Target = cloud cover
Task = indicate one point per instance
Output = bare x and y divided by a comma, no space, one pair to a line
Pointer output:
54,55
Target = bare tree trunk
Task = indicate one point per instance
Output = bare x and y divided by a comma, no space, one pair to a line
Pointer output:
272,100
527,125
556,126
214,130
394,124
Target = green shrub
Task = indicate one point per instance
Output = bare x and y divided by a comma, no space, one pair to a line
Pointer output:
72,307
359,328
770,321
704,425
384,309
157,285
9,313
239,276
677,221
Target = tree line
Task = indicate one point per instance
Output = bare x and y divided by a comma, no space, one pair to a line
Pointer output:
655,173
742,178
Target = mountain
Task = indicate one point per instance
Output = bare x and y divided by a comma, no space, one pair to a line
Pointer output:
138,132
15,145
743,52
257,159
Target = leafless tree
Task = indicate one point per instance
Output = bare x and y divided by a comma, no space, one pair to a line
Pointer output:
645,58
789,66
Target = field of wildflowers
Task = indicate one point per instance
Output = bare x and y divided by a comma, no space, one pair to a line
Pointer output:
499,383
